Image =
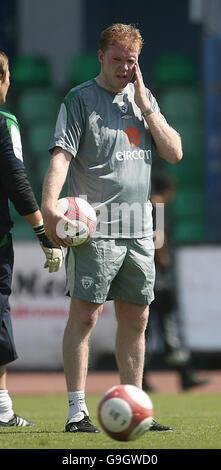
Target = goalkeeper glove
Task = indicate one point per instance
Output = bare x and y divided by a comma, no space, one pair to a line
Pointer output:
54,253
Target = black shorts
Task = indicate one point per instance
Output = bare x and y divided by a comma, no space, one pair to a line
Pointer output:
7,347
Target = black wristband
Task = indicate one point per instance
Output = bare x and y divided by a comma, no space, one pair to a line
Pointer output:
40,232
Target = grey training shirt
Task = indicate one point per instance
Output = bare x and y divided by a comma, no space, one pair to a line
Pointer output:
112,151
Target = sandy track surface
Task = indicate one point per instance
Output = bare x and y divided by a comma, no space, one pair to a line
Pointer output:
99,382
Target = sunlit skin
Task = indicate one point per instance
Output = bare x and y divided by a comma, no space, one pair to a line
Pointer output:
118,66
4,86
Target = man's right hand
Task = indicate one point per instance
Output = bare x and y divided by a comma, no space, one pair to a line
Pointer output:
54,222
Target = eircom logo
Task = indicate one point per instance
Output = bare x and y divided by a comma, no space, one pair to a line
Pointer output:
134,155
134,138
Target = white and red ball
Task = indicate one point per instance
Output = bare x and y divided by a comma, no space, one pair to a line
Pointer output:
125,412
82,214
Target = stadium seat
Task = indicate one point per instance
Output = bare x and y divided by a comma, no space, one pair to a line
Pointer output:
189,171
181,103
37,142
192,139
192,135
171,68
39,136
189,202
43,164
29,71
189,231
82,68
37,104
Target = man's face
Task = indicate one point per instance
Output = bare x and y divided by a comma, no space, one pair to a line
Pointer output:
117,67
4,85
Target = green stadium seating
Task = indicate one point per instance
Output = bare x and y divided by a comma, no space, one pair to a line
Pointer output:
189,201
189,231
181,103
192,136
39,136
171,68
29,71
189,171
81,68
43,161
37,104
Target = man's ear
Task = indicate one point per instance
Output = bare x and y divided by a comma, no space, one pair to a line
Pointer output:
100,55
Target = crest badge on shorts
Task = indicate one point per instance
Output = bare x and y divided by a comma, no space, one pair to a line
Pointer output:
87,281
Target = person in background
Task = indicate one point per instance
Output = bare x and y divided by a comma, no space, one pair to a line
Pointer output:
14,186
165,307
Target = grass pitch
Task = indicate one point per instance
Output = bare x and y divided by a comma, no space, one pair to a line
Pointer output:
196,419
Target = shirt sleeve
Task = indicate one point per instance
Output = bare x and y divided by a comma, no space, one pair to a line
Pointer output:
13,178
69,125
10,145
19,191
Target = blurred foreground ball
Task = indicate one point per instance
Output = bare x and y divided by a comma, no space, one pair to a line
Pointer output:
125,412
